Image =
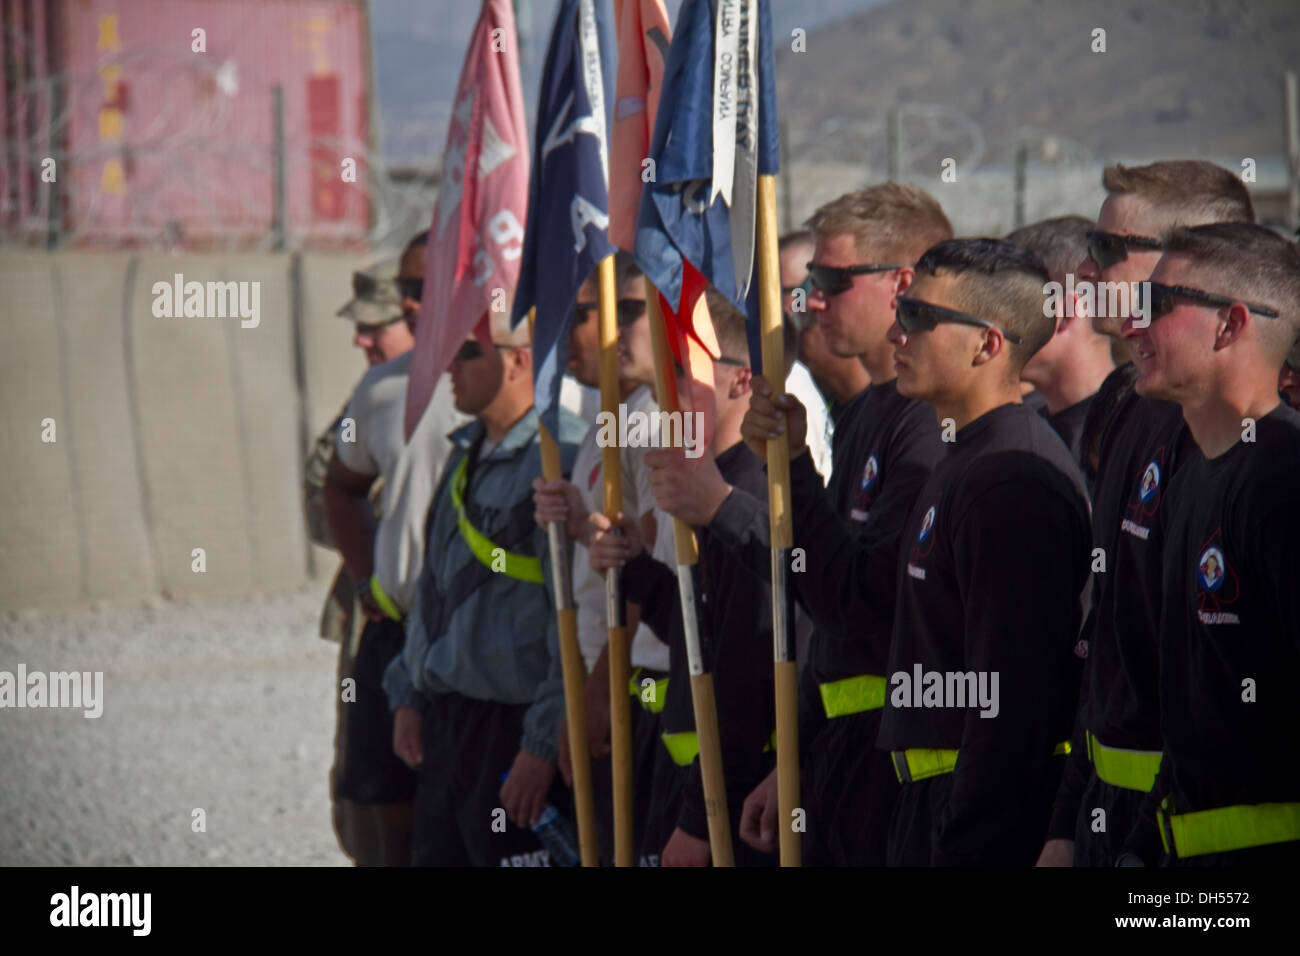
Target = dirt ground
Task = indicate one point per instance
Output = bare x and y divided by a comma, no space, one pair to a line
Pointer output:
225,705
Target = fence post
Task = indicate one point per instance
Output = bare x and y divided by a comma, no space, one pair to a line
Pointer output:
1022,167
278,224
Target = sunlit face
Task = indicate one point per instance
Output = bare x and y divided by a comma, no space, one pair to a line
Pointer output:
856,321
635,351
583,359
1124,215
1175,354
383,343
476,381
937,365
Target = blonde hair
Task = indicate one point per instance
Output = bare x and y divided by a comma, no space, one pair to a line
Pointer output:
889,222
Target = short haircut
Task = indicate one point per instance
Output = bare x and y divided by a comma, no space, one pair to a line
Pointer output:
999,281
420,239
1183,192
891,223
729,324
1253,264
625,269
1061,242
801,237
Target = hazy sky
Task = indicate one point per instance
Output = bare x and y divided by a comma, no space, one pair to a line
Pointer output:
419,45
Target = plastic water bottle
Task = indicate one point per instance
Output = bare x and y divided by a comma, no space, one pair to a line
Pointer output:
556,834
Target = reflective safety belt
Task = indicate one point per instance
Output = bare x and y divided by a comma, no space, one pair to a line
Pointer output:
523,567
386,604
660,694
1130,769
1226,828
915,765
853,695
682,746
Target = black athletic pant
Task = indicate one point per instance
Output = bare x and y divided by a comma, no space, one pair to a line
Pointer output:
851,788
1093,847
468,746
368,771
666,804
921,806
648,759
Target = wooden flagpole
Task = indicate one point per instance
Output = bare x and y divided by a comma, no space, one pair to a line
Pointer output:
781,527
619,652
566,617
706,711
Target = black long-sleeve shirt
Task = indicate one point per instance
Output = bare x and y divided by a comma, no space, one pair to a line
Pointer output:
1143,446
884,448
1230,626
736,641
992,568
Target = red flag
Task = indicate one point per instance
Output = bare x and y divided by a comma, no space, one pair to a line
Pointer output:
643,38
477,236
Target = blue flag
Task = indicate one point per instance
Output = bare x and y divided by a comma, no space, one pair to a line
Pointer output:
716,132
568,200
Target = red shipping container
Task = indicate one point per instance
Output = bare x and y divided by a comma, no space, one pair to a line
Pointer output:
165,132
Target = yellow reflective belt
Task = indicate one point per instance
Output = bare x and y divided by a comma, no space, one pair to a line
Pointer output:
853,695
656,704
771,743
520,566
1130,769
919,764
682,747
385,603
1227,828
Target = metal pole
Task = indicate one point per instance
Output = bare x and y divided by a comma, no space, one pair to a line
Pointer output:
1022,166
278,225
894,144
1292,120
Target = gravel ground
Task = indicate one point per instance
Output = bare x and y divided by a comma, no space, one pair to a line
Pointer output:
223,704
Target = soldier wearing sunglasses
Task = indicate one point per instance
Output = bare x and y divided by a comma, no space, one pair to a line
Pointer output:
884,446
991,571
1114,756
570,503
1224,318
372,788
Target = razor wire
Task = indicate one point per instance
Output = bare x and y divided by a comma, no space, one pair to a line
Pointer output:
200,167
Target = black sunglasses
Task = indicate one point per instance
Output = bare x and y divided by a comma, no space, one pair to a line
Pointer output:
629,310
411,288
832,280
1108,248
469,351
1163,296
915,315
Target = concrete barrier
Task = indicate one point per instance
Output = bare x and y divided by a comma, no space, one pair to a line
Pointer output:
171,434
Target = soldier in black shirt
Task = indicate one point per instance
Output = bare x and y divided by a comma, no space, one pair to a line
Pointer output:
1226,310
1068,370
845,534
992,570
735,622
1116,748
